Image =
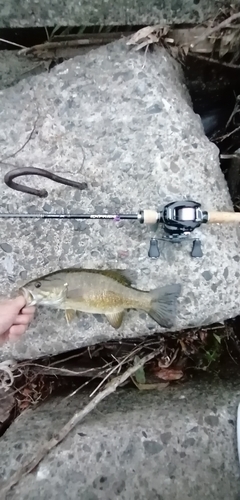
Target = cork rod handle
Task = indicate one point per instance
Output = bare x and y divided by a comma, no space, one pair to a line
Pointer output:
221,217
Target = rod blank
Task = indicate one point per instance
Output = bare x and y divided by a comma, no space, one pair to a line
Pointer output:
69,216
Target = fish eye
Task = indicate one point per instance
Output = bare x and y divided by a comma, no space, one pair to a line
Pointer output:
38,284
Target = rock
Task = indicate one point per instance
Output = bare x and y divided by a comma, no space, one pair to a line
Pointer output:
94,13
6,408
95,123
178,443
6,247
14,67
233,177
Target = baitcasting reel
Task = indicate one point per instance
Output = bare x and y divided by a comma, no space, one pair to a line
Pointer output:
179,219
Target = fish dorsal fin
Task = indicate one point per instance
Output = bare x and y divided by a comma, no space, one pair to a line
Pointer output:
123,276
115,319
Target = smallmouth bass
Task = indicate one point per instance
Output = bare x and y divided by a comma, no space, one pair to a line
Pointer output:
107,292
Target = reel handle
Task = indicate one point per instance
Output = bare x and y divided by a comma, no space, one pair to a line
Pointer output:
223,217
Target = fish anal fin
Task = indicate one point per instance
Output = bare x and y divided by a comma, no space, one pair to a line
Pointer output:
70,315
115,319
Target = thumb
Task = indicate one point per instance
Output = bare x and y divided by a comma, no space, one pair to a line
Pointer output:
15,304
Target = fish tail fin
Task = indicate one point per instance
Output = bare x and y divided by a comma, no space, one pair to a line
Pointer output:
163,304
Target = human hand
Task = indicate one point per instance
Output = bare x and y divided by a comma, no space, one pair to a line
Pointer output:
14,318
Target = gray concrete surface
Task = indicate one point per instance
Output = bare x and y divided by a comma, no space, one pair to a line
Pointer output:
14,68
124,123
178,444
38,13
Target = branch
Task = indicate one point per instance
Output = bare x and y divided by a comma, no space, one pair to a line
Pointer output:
214,61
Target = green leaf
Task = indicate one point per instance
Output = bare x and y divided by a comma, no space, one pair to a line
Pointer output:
55,29
139,375
217,338
151,387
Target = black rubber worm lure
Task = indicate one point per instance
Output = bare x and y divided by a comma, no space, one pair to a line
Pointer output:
42,193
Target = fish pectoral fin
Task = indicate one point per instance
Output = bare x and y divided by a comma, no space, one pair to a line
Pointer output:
64,291
70,315
115,319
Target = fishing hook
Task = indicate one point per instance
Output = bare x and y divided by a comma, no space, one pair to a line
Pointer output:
42,193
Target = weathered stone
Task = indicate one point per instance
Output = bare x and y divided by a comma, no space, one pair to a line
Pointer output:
6,247
178,443
14,67
113,144
233,178
6,407
109,12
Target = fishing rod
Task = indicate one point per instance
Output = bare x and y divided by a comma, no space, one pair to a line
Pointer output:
178,218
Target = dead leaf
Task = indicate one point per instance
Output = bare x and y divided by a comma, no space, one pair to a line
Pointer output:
185,49
141,34
174,51
169,374
141,45
168,360
150,387
165,30
183,346
26,391
148,41
23,405
203,335
226,43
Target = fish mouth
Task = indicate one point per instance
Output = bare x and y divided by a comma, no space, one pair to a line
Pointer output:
43,298
28,296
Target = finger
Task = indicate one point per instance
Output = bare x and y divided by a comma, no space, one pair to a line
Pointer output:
18,302
23,319
29,310
4,338
16,331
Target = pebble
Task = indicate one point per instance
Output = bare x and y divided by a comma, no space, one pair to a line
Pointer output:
47,207
6,247
23,275
32,209
207,275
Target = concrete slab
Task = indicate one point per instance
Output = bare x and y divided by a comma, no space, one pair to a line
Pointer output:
122,122
14,68
179,443
109,12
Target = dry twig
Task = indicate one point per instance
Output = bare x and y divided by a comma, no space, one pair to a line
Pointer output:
25,143
225,136
214,61
71,424
12,43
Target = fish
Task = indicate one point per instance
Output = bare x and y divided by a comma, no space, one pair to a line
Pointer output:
101,291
